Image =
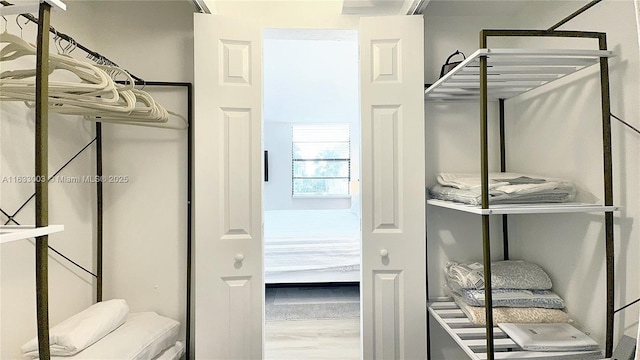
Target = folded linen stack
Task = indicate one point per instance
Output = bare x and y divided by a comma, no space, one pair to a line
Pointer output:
504,188
521,292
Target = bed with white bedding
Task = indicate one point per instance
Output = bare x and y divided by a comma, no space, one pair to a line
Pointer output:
311,246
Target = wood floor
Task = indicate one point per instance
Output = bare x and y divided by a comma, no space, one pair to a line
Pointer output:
335,339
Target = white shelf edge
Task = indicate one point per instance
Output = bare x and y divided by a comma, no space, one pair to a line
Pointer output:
31,7
524,208
14,233
549,52
56,4
530,57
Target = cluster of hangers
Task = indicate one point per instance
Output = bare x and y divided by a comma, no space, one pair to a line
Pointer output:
96,93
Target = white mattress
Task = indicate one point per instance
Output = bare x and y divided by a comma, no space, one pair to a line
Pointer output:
311,246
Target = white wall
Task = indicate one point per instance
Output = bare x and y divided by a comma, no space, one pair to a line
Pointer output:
554,133
145,222
310,76
145,219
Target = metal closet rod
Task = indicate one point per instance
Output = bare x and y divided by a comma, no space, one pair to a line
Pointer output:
576,13
569,18
68,38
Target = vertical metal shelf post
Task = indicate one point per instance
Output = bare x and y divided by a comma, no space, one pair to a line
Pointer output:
484,169
608,192
99,213
41,176
503,168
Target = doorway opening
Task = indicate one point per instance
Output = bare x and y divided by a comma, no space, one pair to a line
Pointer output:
312,216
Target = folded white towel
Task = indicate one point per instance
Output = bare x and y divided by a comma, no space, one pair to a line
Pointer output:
82,329
509,183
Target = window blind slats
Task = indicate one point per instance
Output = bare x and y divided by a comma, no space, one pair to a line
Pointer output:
321,169
321,159
325,150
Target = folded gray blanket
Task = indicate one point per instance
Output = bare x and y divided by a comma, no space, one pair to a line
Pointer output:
504,188
514,298
510,274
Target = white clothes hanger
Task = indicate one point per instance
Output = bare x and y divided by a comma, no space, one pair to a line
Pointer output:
96,96
182,125
146,110
92,78
97,91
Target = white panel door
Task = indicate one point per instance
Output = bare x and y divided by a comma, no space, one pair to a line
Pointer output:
393,188
229,290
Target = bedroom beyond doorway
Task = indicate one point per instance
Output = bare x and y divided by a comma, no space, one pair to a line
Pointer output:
311,140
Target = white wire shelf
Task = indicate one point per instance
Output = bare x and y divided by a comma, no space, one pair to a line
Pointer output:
511,72
506,209
472,338
13,233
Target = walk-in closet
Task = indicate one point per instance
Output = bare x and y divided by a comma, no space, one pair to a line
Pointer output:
474,196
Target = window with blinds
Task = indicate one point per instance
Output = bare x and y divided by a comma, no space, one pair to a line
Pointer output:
321,159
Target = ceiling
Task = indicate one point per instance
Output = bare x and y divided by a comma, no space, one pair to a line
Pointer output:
435,7
427,7
475,7
380,7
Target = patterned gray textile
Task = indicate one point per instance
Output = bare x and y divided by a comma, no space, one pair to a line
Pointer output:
514,298
477,314
504,188
510,274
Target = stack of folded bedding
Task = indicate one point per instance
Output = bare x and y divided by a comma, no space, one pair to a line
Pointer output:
107,330
521,292
504,188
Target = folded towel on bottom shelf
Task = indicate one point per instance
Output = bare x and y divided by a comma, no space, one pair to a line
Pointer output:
513,298
477,314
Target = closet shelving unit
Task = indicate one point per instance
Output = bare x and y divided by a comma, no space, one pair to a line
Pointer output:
42,229
496,75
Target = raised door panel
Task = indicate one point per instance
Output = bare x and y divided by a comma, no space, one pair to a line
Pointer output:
229,294
393,188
